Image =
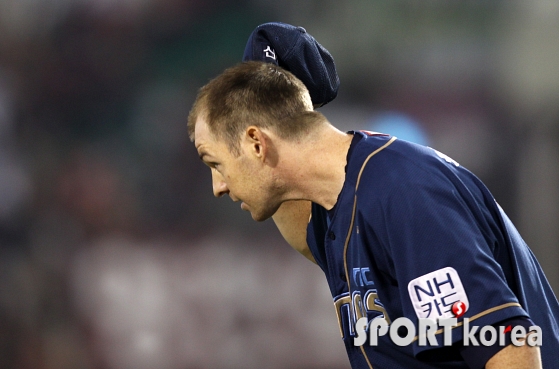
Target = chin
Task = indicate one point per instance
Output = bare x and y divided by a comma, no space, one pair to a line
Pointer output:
261,216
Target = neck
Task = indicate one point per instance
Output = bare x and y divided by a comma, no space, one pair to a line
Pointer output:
316,169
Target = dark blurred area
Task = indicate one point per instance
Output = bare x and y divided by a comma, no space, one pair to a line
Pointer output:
113,251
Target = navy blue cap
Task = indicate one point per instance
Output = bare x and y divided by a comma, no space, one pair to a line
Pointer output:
292,48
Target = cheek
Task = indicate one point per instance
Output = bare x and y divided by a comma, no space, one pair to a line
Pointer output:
236,180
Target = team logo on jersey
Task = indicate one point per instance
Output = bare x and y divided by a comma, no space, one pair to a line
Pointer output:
270,53
434,294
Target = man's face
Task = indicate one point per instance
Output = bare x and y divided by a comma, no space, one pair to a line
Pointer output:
244,177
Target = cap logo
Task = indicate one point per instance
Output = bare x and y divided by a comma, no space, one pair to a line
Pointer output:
270,53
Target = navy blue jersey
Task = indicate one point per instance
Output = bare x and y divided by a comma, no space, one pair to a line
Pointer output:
413,232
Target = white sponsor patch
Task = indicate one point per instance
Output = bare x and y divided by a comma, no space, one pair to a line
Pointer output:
433,294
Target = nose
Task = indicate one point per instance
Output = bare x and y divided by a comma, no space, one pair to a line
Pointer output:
218,184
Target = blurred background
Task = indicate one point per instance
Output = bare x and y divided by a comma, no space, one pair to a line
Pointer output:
113,251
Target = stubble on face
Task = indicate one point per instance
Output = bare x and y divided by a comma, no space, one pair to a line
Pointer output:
246,177
255,189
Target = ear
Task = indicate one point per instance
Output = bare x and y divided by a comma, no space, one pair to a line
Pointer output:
260,144
255,139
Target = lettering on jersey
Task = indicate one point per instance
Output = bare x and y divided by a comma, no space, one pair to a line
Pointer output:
433,294
360,277
349,309
270,53
343,304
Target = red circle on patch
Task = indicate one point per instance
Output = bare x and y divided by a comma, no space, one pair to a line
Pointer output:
458,309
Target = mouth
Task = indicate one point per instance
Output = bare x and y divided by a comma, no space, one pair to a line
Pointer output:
244,206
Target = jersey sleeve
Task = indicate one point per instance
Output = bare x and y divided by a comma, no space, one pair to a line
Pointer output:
432,226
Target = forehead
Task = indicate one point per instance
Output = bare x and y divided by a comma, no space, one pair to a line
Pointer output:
204,140
201,131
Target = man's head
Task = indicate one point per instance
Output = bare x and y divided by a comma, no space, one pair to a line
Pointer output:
252,93
233,123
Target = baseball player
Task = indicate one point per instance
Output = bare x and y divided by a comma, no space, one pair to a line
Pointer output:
402,232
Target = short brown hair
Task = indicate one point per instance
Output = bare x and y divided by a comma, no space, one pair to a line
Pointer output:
254,93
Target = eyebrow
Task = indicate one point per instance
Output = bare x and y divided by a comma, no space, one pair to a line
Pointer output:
202,155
